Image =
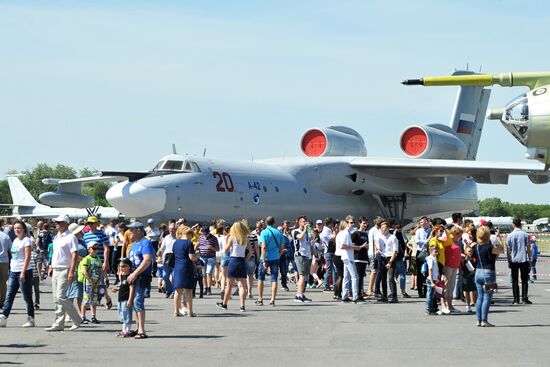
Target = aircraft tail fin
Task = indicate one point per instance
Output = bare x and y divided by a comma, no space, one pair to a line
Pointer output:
469,115
19,193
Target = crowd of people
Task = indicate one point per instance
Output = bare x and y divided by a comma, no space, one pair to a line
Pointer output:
446,262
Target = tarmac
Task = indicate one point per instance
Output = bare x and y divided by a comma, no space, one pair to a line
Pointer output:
322,333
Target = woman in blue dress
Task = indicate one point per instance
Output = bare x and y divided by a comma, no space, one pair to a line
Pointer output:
184,275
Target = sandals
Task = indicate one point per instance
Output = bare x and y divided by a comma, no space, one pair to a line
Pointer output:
272,303
141,336
259,302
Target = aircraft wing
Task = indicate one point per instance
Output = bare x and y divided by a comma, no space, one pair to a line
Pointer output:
481,171
53,215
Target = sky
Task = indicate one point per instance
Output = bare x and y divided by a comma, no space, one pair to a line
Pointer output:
112,85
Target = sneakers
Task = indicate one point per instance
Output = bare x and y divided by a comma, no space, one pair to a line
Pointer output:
29,323
53,328
74,327
346,300
183,311
242,309
468,308
36,306
306,300
478,323
3,321
95,320
221,305
405,295
298,299
486,324
527,302
85,321
259,302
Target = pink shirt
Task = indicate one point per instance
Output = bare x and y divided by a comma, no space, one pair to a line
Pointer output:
452,256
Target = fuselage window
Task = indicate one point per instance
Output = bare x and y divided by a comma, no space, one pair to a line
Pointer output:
172,166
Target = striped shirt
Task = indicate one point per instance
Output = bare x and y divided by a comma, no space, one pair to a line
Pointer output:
205,242
35,256
100,237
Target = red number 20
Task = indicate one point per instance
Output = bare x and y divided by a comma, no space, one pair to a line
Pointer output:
225,183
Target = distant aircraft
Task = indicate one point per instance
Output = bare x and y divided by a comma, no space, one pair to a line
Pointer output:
335,178
526,117
25,206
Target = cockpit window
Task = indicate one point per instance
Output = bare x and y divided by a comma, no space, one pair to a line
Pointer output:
516,117
172,165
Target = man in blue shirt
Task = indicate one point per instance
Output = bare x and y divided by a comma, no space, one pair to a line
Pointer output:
271,243
519,254
141,255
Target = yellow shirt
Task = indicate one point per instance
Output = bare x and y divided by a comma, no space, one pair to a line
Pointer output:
441,246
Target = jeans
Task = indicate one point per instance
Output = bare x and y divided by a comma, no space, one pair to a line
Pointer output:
13,288
361,272
420,278
283,267
523,269
377,261
339,266
401,272
533,270
4,276
166,273
331,271
350,275
431,303
483,298
36,287
387,275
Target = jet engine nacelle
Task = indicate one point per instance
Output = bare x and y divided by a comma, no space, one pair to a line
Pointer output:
63,199
432,141
333,141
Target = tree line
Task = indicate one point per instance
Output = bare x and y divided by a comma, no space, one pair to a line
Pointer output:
494,207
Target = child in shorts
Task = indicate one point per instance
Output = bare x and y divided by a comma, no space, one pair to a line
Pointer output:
125,298
91,268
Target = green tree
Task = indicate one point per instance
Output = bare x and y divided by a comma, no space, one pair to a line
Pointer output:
493,207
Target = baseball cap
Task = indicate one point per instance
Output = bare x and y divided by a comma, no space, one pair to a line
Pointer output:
75,228
125,261
82,252
318,221
92,243
62,218
92,219
136,224
150,221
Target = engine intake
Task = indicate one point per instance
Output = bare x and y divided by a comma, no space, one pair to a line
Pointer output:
333,141
433,141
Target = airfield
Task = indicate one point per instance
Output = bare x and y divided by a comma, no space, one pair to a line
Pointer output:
324,333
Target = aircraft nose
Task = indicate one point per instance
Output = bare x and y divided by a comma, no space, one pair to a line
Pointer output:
136,200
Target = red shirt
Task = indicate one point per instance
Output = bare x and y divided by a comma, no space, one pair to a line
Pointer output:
452,256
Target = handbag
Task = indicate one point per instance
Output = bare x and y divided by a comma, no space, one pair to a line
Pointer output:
170,259
489,286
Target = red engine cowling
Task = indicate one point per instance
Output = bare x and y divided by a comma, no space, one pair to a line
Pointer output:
433,141
333,141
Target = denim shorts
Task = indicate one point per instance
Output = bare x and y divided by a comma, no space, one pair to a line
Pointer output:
160,271
273,269
139,297
209,264
250,266
225,260
124,312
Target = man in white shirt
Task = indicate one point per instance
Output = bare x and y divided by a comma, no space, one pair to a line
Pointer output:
374,279
62,268
387,246
302,256
422,237
344,249
327,235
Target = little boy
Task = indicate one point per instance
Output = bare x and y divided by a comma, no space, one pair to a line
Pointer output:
91,269
199,266
432,277
125,297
